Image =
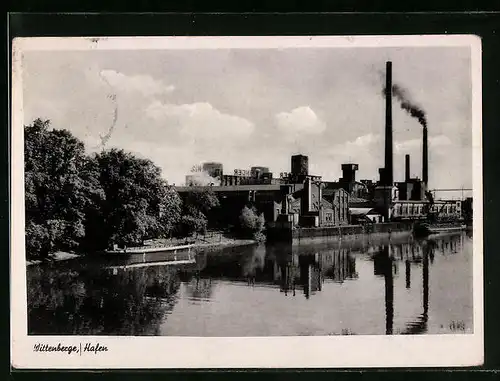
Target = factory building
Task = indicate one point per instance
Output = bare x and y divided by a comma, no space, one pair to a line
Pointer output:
409,199
300,199
335,210
295,199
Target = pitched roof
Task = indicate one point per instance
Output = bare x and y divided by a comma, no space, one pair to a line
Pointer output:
332,191
326,204
362,211
358,200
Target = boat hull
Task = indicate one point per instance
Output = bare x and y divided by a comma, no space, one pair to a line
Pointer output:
148,250
430,229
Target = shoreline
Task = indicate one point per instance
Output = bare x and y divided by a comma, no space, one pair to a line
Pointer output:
218,245
225,242
62,256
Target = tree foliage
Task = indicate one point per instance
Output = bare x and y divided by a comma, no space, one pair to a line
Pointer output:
76,201
137,202
200,200
252,223
73,200
198,203
56,189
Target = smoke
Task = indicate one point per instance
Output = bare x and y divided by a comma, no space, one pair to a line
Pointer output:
201,179
406,104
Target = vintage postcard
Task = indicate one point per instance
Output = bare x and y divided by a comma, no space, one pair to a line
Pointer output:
246,202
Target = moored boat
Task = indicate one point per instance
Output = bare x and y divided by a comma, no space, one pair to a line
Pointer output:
424,229
151,249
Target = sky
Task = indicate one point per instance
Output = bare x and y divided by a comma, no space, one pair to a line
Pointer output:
257,107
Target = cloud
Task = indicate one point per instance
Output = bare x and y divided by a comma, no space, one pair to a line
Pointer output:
354,147
200,121
143,84
434,141
301,120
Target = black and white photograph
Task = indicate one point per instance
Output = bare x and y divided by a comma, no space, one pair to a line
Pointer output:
228,197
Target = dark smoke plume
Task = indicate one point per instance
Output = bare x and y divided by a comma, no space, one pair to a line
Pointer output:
415,111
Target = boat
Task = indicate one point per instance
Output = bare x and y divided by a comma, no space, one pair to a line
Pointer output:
425,229
151,249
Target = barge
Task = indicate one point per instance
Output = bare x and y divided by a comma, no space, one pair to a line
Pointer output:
128,258
425,229
151,249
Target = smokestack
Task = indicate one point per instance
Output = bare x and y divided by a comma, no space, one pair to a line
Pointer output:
407,168
388,125
425,159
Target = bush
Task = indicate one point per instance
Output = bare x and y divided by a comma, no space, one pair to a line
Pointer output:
252,223
192,224
37,240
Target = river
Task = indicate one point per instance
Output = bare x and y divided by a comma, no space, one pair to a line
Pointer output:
365,286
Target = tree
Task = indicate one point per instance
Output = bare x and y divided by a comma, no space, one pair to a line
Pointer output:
252,223
56,193
198,203
137,203
200,199
190,224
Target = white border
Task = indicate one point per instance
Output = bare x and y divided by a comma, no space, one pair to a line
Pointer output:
248,352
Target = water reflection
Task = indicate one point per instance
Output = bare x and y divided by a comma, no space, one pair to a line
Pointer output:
96,298
96,301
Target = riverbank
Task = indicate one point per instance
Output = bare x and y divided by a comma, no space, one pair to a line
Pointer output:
202,243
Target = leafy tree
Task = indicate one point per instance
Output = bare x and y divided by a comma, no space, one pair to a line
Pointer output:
198,203
200,199
190,224
56,189
252,223
137,203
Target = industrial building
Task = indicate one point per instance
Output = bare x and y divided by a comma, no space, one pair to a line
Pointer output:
300,199
294,199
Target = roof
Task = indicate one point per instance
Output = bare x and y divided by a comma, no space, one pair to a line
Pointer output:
360,211
363,211
326,204
358,200
332,191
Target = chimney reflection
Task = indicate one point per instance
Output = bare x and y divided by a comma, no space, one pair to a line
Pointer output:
425,280
408,273
419,325
383,266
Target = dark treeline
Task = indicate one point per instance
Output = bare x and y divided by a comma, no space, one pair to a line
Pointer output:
80,202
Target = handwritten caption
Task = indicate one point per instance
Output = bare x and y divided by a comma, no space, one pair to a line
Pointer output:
70,349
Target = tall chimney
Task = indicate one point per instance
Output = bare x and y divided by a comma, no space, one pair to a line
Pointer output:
407,168
388,125
425,158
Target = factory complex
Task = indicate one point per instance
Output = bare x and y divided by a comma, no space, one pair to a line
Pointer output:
301,199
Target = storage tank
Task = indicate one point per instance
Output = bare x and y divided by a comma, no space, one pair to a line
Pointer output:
257,172
213,169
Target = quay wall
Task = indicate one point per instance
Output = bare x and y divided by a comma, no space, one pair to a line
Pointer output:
283,234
